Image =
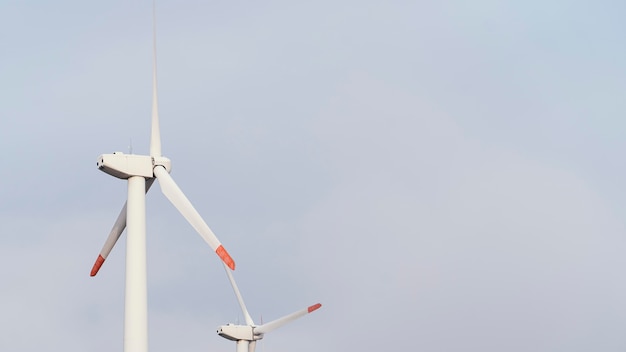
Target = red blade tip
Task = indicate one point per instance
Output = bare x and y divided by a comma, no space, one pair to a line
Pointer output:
314,307
97,265
221,252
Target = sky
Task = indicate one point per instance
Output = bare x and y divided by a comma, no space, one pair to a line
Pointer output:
441,176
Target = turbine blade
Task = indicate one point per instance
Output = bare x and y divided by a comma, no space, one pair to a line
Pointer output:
180,201
114,235
155,135
252,346
244,310
275,324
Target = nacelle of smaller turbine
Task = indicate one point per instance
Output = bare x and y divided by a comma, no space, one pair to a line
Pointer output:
237,332
125,166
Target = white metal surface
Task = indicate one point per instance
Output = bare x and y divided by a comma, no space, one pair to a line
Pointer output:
114,235
236,332
124,166
251,346
176,196
242,304
275,324
155,132
136,306
242,346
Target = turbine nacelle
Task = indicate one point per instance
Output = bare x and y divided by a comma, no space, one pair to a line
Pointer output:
124,166
238,332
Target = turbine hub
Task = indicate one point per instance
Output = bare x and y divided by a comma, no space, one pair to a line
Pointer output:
162,161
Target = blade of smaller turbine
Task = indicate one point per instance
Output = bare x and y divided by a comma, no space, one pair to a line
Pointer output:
114,235
172,192
244,310
243,345
155,134
275,324
252,346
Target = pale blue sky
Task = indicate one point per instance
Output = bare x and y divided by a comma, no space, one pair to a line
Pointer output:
441,177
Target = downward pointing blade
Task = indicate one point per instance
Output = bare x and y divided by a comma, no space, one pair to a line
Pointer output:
114,235
180,201
275,324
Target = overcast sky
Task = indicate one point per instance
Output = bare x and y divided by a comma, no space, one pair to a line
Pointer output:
441,176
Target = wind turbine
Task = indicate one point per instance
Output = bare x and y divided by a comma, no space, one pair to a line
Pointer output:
247,335
141,171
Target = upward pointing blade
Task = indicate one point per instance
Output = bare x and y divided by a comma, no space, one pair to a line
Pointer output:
275,324
244,310
155,135
114,235
180,201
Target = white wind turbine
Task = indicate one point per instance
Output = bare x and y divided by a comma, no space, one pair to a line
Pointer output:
247,335
141,171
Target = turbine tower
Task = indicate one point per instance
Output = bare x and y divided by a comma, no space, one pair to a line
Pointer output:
140,171
247,335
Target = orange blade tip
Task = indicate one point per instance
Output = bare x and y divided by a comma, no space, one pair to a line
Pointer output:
314,307
221,252
97,265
